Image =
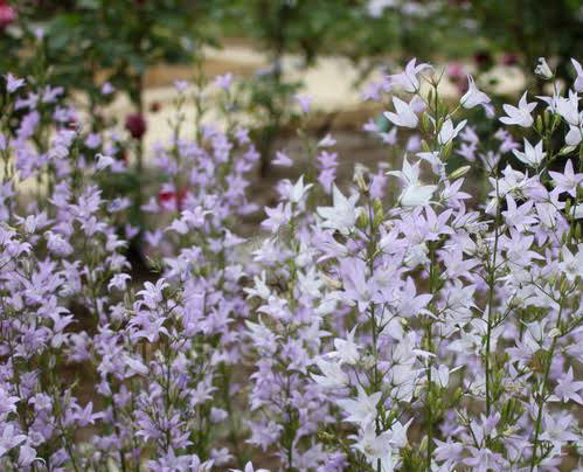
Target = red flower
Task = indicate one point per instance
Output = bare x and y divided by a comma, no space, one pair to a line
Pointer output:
483,59
169,198
136,125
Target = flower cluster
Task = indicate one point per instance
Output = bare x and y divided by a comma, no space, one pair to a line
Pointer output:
422,318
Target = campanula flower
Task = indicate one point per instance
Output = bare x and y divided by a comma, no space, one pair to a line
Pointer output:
404,115
474,97
532,155
521,116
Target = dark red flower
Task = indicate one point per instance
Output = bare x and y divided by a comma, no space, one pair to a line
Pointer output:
483,59
169,198
136,125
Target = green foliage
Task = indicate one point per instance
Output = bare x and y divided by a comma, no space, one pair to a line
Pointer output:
87,42
529,28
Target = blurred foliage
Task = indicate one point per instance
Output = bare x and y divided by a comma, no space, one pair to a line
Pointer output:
85,43
526,28
347,28
88,42
84,38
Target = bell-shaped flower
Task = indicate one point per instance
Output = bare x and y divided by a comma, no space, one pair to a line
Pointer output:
417,195
567,181
346,349
13,83
568,388
295,193
409,175
532,155
521,116
334,376
103,162
282,160
10,439
342,216
359,289
405,116
572,265
363,410
414,193
574,136
448,133
407,80
568,108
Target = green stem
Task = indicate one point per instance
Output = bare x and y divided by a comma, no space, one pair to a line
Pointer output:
549,361
491,283
430,349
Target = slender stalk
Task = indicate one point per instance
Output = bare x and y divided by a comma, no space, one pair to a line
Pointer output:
374,327
429,347
491,283
544,387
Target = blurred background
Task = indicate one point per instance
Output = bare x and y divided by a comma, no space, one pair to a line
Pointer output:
119,59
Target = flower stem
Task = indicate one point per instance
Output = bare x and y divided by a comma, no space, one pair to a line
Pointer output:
543,389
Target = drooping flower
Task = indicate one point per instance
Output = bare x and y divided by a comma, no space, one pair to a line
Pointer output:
473,97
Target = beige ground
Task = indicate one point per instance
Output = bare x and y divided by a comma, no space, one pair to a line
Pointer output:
330,84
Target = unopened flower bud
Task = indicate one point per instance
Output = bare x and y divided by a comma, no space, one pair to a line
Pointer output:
567,150
459,172
359,171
